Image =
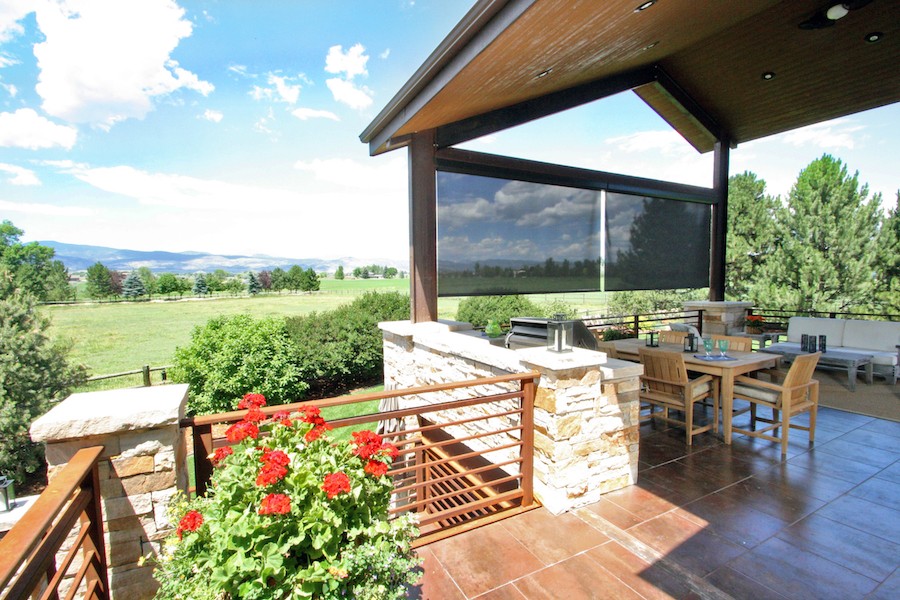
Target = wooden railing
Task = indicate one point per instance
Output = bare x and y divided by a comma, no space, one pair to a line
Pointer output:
635,325
28,553
467,457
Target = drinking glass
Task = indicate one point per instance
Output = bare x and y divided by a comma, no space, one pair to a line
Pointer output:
707,345
723,347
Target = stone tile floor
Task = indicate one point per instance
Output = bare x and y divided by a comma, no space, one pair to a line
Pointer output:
708,521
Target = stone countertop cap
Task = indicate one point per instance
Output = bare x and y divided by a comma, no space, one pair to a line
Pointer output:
409,328
101,413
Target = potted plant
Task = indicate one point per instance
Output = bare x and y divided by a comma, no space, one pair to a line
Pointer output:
754,324
291,514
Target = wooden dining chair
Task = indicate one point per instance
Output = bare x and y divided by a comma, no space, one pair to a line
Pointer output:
665,384
735,343
672,337
607,348
797,393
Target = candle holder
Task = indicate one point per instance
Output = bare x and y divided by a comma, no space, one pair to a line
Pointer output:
559,334
690,343
653,339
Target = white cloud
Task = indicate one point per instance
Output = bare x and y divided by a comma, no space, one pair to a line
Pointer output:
27,129
388,175
215,116
351,63
282,89
829,135
11,12
20,175
348,65
346,92
240,70
7,61
103,61
666,141
12,90
180,191
310,113
385,54
50,210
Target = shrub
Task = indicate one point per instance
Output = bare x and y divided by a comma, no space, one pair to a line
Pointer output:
230,354
343,347
291,515
479,309
33,371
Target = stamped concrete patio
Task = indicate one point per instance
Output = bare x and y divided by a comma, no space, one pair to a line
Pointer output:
711,521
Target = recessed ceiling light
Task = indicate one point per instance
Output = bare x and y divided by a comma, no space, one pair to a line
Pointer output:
768,75
873,37
653,45
838,11
645,5
544,73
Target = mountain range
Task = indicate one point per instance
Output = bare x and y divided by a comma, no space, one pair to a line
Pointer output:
78,257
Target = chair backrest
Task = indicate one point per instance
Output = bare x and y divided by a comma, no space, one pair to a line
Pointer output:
735,343
666,366
608,348
672,337
802,369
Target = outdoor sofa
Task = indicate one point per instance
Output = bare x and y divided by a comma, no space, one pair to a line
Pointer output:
878,339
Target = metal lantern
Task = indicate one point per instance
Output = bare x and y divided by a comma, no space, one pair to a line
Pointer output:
653,339
690,343
7,493
822,343
559,334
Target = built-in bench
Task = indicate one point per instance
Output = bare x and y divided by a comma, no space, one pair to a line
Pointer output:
878,339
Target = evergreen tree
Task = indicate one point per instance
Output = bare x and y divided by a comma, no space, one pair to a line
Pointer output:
751,233
309,281
294,278
99,281
200,286
253,286
826,254
888,296
133,286
339,273
279,279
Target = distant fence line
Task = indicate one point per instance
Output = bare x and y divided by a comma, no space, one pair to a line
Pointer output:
145,371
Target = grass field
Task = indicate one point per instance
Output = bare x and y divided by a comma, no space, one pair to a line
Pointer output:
124,336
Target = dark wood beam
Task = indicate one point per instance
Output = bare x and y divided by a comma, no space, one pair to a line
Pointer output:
506,167
530,110
719,222
423,293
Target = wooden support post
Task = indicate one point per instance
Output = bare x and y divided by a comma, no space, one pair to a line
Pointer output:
528,392
203,447
145,371
422,228
719,223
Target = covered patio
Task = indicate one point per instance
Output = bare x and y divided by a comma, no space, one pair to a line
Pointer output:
711,521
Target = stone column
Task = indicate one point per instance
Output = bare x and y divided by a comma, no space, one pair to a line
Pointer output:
721,318
141,468
586,406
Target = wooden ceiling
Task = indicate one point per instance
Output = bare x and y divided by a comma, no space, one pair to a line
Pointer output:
698,63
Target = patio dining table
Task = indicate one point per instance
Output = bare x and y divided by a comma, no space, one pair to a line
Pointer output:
726,370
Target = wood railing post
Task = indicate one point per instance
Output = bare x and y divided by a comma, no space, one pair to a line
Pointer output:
203,447
145,371
528,391
95,535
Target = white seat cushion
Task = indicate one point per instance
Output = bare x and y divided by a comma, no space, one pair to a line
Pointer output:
878,335
878,357
751,391
833,329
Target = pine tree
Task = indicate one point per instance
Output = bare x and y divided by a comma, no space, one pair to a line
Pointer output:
339,274
253,286
133,286
99,281
888,296
200,287
751,233
827,248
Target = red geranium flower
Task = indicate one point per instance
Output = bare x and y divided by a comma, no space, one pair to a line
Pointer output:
252,401
310,414
254,415
270,474
316,432
282,417
275,457
335,483
375,468
189,522
388,449
367,443
220,454
275,504
241,430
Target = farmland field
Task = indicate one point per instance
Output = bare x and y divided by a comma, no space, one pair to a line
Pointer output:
123,336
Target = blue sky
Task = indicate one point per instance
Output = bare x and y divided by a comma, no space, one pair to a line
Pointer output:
232,126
